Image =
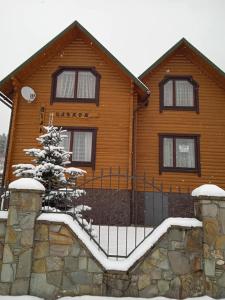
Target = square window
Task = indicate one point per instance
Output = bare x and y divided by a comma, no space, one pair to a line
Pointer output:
178,93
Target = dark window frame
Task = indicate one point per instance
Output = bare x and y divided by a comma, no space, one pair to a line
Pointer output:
188,78
93,146
60,70
174,136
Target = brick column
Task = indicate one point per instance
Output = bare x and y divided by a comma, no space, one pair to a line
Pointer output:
24,206
211,211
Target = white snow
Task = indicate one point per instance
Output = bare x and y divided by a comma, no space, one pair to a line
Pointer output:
209,190
3,214
122,265
20,297
87,297
26,184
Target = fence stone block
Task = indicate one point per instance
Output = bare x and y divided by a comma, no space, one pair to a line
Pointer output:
24,207
212,213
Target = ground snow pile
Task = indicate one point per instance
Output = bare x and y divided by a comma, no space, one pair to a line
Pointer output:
98,298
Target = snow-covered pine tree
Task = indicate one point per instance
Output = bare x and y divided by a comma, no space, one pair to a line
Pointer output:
50,168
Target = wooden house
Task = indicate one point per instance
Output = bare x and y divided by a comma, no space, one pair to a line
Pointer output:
167,125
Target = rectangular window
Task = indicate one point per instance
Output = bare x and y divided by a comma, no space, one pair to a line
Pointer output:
179,153
82,146
81,142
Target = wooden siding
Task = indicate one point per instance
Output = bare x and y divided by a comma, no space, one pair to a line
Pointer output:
209,123
112,116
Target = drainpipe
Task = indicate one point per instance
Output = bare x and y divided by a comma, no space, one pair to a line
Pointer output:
143,103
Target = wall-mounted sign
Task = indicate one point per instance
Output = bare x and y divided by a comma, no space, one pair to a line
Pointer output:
76,115
184,148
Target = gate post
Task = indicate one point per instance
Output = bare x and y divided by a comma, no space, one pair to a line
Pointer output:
24,207
210,210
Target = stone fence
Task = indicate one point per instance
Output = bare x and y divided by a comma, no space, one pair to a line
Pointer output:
47,258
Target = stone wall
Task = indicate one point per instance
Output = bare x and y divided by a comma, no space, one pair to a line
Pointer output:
2,240
47,259
173,268
211,210
62,265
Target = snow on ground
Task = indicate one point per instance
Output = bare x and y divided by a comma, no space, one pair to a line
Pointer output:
98,298
209,190
119,240
122,265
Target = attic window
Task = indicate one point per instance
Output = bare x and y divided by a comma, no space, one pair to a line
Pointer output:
76,85
178,93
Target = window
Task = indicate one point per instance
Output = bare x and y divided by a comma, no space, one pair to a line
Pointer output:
76,85
179,153
178,93
81,142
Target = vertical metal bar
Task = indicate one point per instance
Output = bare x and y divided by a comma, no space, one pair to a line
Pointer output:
92,179
126,239
108,241
117,242
153,200
144,200
91,231
127,178
101,177
110,177
179,189
162,200
118,185
99,234
135,236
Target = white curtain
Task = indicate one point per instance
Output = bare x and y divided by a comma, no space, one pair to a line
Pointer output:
168,93
65,85
184,93
82,146
66,140
185,153
167,152
86,85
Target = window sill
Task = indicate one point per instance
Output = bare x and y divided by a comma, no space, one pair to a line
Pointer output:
181,170
179,108
81,164
63,100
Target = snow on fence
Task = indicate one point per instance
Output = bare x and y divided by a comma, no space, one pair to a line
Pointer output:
119,220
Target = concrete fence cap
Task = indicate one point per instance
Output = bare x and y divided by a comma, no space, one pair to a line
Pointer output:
26,184
208,190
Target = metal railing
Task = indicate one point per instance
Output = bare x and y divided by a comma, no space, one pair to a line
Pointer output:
119,219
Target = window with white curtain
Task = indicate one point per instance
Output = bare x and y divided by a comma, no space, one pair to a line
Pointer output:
179,152
86,85
76,84
65,84
81,142
82,146
66,140
179,92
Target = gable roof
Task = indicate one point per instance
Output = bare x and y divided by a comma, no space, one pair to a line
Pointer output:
195,54
42,54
